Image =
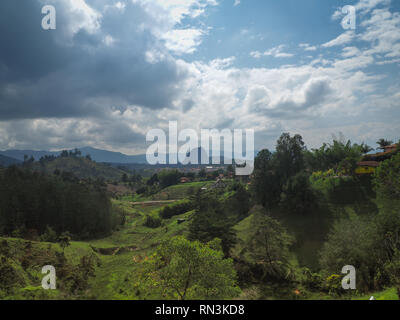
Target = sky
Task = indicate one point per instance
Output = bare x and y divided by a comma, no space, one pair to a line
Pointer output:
112,70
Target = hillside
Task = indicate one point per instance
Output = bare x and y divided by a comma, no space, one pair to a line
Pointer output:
7,161
81,167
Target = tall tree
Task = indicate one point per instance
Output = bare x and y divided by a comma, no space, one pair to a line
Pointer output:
188,270
383,143
267,246
289,156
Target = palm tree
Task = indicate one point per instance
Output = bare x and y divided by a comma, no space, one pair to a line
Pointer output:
383,143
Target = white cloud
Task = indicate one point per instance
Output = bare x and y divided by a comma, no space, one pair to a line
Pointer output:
274,52
183,41
307,47
344,38
236,3
350,52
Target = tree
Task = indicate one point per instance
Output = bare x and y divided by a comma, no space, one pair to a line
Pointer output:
64,240
352,242
202,173
49,235
153,180
289,156
267,246
335,154
297,195
239,202
185,270
169,178
387,179
392,268
265,185
210,221
383,143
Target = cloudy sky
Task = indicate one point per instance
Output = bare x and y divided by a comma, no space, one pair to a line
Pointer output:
114,69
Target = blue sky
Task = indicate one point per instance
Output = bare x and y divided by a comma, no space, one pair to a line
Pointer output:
114,69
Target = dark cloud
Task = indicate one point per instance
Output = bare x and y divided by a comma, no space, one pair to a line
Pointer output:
316,92
56,74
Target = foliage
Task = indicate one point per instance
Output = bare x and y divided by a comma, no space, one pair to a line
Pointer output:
64,240
387,179
152,222
272,171
289,156
351,242
383,143
265,185
333,284
392,268
176,209
169,178
297,195
239,202
338,154
49,235
210,221
34,201
268,247
186,270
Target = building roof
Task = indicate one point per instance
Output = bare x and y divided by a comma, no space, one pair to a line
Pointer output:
392,146
368,164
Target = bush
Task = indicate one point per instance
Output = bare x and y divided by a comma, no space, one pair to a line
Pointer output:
49,235
152,222
176,210
334,284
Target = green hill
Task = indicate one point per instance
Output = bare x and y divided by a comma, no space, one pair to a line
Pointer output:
82,168
7,161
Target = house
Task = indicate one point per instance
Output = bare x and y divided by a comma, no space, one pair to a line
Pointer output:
366,167
185,180
390,148
387,153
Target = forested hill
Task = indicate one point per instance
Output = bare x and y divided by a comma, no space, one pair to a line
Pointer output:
7,161
80,167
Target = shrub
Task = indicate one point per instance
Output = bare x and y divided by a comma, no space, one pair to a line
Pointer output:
49,235
176,210
152,222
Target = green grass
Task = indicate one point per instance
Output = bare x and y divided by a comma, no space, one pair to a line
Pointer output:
388,294
180,191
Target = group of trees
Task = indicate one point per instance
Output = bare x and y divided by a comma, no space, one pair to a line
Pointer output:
367,239
371,242
30,202
280,177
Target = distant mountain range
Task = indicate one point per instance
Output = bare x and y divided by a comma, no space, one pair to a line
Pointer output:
97,155
10,157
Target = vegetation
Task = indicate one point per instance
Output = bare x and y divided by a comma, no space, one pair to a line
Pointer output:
31,203
181,269
284,233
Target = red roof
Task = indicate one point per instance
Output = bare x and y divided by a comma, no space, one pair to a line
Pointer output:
368,164
392,146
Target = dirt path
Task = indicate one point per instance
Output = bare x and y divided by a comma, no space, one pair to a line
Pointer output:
149,203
